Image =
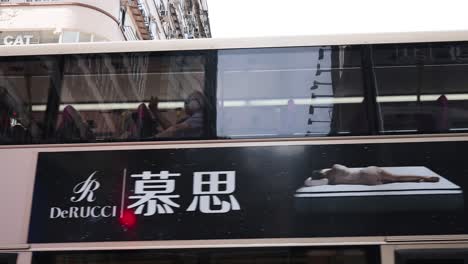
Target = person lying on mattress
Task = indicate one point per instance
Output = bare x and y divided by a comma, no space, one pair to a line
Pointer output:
339,174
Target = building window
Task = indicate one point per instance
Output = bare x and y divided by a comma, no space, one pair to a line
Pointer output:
154,30
123,14
75,36
70,37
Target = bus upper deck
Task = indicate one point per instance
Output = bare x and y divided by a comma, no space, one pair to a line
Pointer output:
215,89
247,126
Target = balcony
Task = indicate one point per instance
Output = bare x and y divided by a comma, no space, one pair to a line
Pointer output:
129,33
141,17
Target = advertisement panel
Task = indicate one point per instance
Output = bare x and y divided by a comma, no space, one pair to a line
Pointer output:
251,192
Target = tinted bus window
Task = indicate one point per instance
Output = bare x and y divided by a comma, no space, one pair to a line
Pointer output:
104,97
7,258
23,84
422,88
236,93
431,256
366,255
313,91
133,96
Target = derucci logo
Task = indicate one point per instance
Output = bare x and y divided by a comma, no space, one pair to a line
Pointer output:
84,192
154,194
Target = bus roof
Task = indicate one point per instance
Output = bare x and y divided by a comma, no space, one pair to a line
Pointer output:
232,43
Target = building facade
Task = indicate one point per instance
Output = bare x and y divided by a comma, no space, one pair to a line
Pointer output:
164,19
25,22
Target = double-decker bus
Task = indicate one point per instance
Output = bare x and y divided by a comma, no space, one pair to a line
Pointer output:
319,149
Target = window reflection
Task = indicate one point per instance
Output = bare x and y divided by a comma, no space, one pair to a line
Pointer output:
22,83
135,97
422,87
290,92
93,98
237,93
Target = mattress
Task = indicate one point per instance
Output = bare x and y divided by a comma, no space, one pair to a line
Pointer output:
408,196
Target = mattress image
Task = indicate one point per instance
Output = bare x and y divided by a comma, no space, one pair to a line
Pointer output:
402,196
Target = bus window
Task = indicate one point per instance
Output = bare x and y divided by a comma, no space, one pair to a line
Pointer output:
103,97
24,83
432,256
290,92
7,258
298,255
137,96
422,88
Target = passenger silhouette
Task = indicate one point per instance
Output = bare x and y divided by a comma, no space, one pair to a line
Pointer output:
144,122
72,127
4,124
442,114
192,125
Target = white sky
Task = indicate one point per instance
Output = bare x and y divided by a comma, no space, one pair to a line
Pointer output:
250,18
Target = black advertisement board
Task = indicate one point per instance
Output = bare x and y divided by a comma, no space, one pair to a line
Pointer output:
251,192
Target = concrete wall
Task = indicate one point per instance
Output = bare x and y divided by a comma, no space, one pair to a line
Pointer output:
111,6
59,18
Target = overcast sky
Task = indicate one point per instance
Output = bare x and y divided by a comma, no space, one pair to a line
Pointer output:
250,18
